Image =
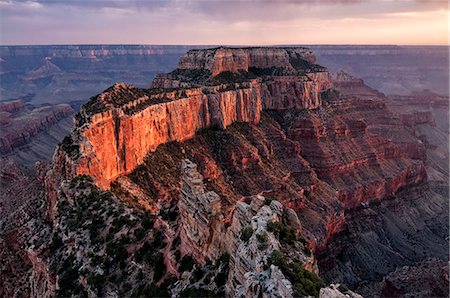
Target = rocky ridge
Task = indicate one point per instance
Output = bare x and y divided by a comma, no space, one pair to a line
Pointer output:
138,120
20,124
253,206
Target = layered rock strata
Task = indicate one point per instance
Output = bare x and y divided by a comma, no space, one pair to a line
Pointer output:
205,237
201,216
242,59
314,153
19,126
117,128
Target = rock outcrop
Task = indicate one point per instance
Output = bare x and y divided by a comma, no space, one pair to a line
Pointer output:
243,59
285,159
428,278
12,106
416,118
115,130
18,127
334,291
249,239
201,217
352,86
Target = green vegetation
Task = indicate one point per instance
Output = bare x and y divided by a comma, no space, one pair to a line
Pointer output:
343,288
224,258
109,231
148,220
303,281
69,146
158,266
272,71
307,251
267,201
282,231
151,290
303,65
94,105
192,292
187,263
196,76
170,213
246,233
262,239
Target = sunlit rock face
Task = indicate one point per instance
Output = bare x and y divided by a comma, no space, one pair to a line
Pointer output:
242,59
117,128
248,163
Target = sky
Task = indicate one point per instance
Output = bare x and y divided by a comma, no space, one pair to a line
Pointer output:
208,22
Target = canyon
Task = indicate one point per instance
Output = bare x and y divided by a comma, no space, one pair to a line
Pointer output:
46,77
71,74
243,172
139,120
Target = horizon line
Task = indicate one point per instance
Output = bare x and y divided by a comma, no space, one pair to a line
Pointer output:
226,45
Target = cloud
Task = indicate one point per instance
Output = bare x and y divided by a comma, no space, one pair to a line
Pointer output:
220,22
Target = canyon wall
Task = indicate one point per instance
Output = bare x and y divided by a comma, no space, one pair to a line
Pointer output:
19,125
242,59
116,142
118,128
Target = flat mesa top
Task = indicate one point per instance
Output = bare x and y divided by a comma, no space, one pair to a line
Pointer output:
200,68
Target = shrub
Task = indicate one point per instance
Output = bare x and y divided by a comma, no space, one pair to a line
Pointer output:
246,233
224,258
307,251
148,221
267,201
193,292
152,291
262,239
282,231
159,266
139,234
221,278
303,281
158,240
343,288
177,255
187,263
198,274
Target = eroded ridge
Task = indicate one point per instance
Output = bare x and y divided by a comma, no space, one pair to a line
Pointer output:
116,129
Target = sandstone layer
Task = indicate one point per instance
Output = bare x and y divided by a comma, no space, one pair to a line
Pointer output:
273,160
19,125
117,128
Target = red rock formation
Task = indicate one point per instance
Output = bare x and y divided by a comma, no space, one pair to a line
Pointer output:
116,142
412,120
295,92
349,152
19,130
234,59
116,130
12,106
352,86
23,207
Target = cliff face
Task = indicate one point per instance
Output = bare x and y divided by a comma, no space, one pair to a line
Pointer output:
117,129
242,59
201,217
204,236
12,106
116,141
20,126
272,162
